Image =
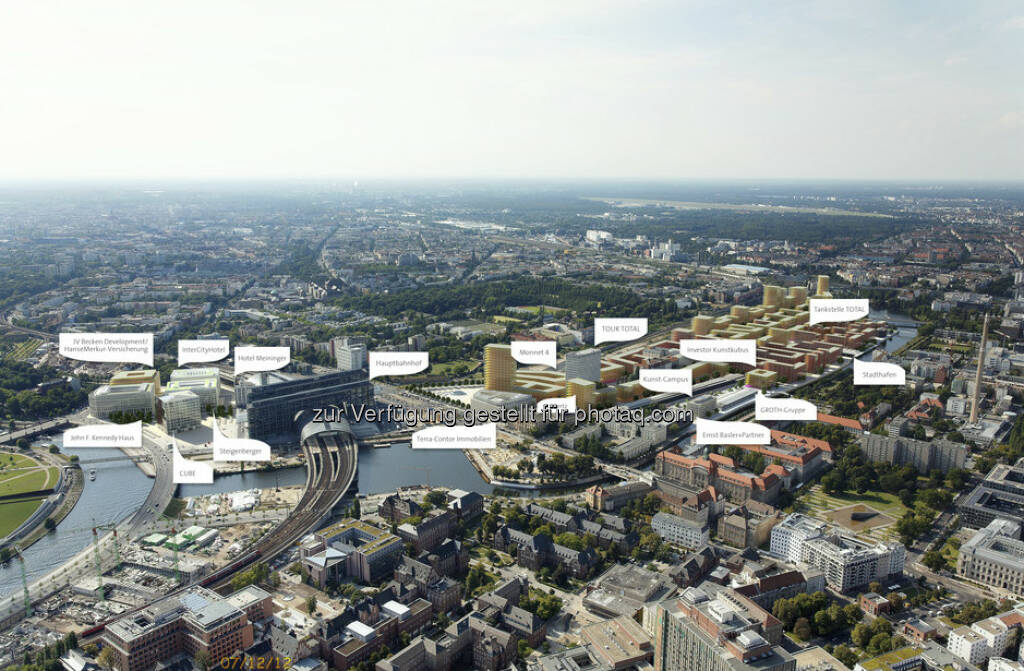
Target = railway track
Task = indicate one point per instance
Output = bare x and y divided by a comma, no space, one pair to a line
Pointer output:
331,468
328,478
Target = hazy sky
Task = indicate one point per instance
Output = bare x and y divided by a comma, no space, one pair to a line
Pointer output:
526,88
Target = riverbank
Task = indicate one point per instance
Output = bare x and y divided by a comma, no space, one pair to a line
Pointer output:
141,459
480,465
64,508
35,486
483,468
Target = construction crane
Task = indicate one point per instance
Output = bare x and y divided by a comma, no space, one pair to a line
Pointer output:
117,546
24,584
174,546
98,554
99,562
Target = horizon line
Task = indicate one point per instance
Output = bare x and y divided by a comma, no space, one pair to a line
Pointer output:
353,179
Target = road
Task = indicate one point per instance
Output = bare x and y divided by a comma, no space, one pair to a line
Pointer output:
33,430
331,463
84,563
5,320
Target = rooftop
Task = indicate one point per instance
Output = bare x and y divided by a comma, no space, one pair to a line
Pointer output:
886,661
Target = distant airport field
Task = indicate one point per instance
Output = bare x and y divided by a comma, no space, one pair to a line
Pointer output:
752,207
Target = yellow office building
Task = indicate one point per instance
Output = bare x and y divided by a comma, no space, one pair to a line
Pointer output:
499,368
583,390
138,377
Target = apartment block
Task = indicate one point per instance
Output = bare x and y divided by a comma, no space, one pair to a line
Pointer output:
925,456
679,531
847,562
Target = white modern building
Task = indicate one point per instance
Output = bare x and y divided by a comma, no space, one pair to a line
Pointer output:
121,398
703,406
968,645
959,406
179,411
195,373
502,402
206,388
1003,664
678,531
847,562
351,356
788,536
584,364
996,634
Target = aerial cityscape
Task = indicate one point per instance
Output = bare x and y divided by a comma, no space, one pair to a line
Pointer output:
504,391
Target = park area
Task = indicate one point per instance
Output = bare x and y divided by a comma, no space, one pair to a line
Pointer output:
859,518
21,476
871,514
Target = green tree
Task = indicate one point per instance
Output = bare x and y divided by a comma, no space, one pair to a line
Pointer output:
436,498
202,660
802,629
845,655
106,658
861,635
879,643
934,560
822,622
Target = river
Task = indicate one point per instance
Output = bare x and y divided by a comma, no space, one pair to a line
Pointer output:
118,491
380,470
901,336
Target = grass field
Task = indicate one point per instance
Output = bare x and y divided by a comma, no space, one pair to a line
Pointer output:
14,513
548,309
817,503
9,461
20,474
26,481
23,350
446,367
951,552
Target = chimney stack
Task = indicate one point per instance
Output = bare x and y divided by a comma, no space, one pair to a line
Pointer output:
977,375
